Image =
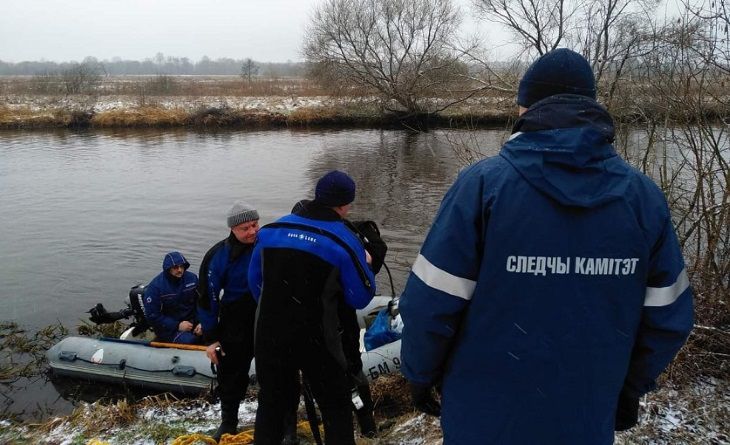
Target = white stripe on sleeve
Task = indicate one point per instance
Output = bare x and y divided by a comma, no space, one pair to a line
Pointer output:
664,296
442,280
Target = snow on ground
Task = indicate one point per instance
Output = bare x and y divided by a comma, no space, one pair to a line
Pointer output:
282,104
696,414
272,104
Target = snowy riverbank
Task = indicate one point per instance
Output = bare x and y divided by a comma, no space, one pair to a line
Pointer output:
696,414
134,111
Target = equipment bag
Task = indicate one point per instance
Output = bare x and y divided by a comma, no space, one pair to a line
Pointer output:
385,329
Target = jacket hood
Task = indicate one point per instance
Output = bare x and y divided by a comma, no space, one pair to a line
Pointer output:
562,146
173,259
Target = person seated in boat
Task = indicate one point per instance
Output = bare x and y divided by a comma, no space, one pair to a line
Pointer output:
170,301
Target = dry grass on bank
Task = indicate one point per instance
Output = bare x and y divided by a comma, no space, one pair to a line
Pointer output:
145,116
160,116
27,118
698,413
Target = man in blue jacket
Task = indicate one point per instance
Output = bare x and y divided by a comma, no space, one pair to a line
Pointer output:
303,266
550,292
169,302
227,310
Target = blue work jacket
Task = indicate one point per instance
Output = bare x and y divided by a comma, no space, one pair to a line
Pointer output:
226,281
551,279
168,301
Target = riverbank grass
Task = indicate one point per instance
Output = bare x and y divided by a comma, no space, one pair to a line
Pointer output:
357,114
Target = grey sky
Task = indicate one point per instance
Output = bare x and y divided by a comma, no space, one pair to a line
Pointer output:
263,30
266,30
62,30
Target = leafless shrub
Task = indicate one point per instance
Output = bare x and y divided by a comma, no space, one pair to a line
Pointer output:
161,84
82,77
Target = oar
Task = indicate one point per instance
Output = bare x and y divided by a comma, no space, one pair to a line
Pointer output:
157,344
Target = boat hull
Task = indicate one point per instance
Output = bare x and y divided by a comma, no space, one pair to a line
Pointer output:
139,364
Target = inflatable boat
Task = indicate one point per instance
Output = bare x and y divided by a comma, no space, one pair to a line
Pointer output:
176,368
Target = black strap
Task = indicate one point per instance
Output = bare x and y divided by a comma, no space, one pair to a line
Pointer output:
311,411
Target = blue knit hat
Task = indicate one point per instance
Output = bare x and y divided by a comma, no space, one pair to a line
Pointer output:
561,71
335,189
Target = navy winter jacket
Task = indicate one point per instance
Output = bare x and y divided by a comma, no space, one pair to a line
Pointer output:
168,301
551,279
227,271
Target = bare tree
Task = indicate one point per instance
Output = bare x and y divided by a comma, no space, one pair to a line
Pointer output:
607,32
401,50
539,24
714,36
249,68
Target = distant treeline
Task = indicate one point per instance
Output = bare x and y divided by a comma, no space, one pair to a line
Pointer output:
159,64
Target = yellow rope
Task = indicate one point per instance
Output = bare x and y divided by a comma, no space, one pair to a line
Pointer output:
189,439
242,438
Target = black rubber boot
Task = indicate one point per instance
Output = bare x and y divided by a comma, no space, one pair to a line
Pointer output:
229,423
367,423
365,418
290,430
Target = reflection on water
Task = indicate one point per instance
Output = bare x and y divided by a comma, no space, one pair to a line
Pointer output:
87,215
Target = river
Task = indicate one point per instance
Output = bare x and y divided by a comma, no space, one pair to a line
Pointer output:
84,216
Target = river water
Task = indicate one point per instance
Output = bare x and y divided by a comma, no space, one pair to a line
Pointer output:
84,216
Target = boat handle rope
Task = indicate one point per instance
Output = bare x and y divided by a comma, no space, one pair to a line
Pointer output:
122,365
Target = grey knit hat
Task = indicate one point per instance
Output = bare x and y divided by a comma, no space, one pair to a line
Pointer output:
240,213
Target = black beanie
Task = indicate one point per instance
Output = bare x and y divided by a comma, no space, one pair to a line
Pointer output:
335,189
561,71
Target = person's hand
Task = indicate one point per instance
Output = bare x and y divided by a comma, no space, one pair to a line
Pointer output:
210,352
424,400
185,326
198,330
627,412
368,258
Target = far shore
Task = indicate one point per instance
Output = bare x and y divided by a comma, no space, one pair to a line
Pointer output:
220,102
213,112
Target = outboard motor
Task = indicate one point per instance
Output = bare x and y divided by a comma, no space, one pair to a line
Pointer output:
99,314
135,308
136,304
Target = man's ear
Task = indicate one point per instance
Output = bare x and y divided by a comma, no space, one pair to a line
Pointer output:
341,210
